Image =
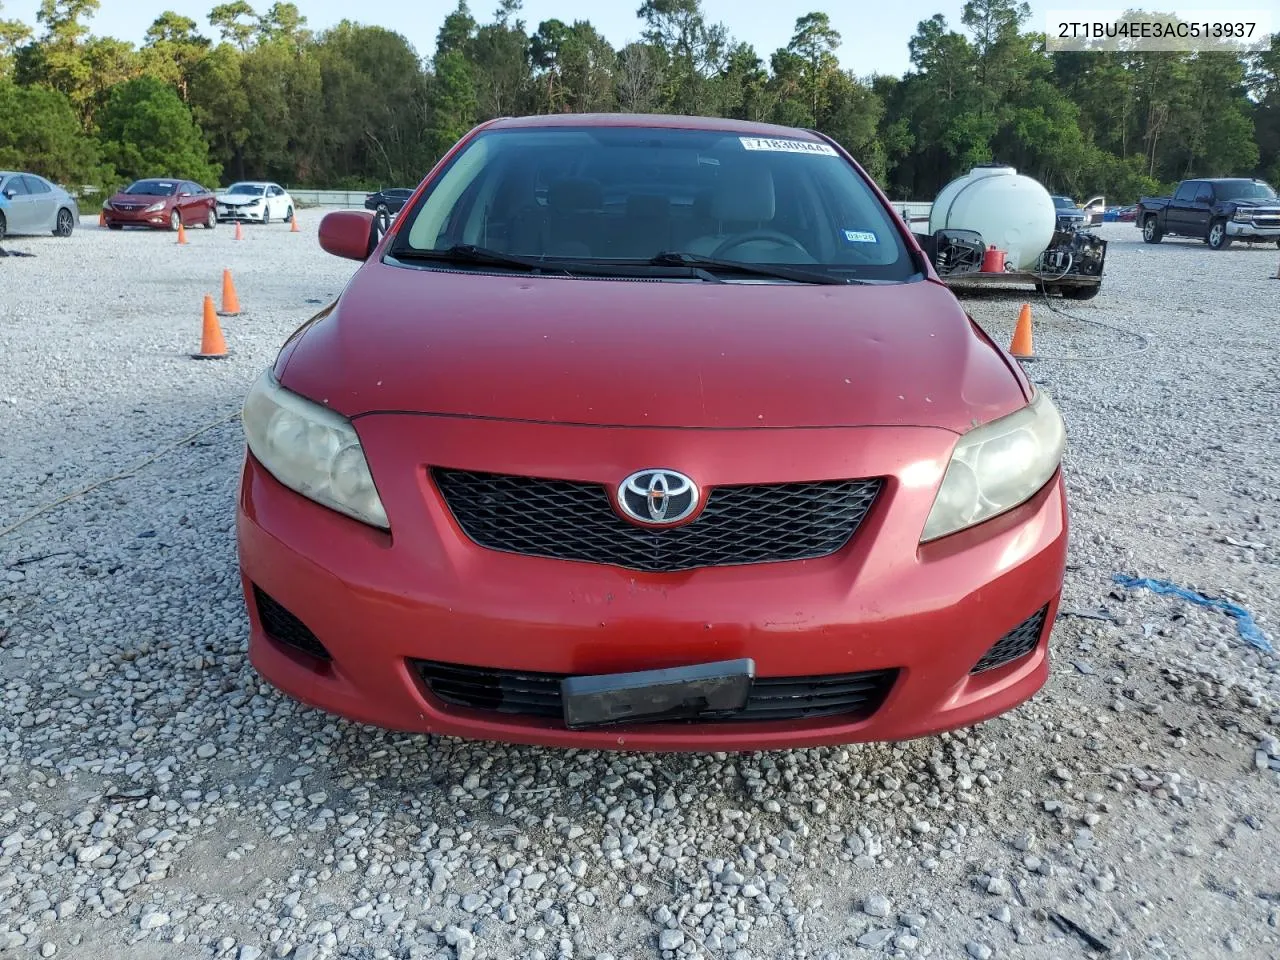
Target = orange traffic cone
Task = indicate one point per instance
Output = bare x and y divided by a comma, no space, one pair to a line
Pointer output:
102,218
294,227
239,234
230,302
212,345
182,233
1021,346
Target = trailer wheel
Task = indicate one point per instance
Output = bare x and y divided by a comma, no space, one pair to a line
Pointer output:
1081,292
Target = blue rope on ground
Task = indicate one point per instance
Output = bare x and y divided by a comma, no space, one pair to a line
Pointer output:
1244,620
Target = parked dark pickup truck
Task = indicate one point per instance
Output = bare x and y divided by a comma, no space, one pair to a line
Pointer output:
1216,211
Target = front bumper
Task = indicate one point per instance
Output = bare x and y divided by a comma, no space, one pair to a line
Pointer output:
377,602
225,213
137,218
1243,230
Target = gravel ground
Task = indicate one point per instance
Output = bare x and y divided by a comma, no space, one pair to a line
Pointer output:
157,800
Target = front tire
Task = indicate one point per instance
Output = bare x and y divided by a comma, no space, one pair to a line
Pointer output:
288,214
210,219
65,223
4,226
175,220
1151,232
266,215
1218,238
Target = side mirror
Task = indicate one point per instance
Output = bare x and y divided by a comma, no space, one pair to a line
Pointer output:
349,233
11,193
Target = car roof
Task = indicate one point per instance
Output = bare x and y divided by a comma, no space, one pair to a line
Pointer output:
658,120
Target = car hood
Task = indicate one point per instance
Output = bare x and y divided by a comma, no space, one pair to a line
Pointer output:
651,354
238,197
1256,202
143,198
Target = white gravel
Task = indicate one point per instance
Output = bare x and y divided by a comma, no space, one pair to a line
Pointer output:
153,792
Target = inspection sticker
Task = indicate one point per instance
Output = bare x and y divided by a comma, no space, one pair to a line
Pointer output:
860,236
787,146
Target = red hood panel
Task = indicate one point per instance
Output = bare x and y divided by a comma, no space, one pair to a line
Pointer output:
650,354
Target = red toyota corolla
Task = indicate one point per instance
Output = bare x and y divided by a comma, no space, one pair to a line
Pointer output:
651,433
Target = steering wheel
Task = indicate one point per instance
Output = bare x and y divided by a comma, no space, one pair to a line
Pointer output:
774,235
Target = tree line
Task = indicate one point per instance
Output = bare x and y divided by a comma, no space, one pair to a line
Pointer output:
262,96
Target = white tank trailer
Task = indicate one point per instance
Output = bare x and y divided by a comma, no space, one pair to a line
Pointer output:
1015,214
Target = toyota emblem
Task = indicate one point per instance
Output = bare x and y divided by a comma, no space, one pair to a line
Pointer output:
658,497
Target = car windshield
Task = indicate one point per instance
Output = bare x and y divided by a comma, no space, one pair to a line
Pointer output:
1244,190
1064,203
596,196
252,189
154,188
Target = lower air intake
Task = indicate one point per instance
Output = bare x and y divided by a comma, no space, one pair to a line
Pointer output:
286,629
1018,642
850,696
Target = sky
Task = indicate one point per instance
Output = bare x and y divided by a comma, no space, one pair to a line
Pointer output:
874,33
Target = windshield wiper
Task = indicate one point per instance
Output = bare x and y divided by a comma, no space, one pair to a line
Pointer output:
676,258
470,253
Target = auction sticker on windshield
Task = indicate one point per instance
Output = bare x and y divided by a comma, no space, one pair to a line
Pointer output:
787,146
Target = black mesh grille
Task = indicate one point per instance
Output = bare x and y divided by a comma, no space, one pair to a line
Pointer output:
566,520
772,698
283,627
1018,642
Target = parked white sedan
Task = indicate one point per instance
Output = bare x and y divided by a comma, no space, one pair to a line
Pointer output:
258,200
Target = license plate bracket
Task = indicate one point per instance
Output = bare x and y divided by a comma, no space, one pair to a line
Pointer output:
702,690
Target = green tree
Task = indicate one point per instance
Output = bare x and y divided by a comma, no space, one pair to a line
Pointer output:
640,77
147,131
375,103
283,23
172,50
453,101
58,60
587,62
694,50
13,34
815,43
220,106
39,131
235,21
285,121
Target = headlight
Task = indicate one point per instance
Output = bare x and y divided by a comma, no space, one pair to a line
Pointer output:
1243,214
253,203
311,450
154,208
998,466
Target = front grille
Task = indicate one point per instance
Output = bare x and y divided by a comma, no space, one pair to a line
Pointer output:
566,520
520,693
1018,642
284,628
